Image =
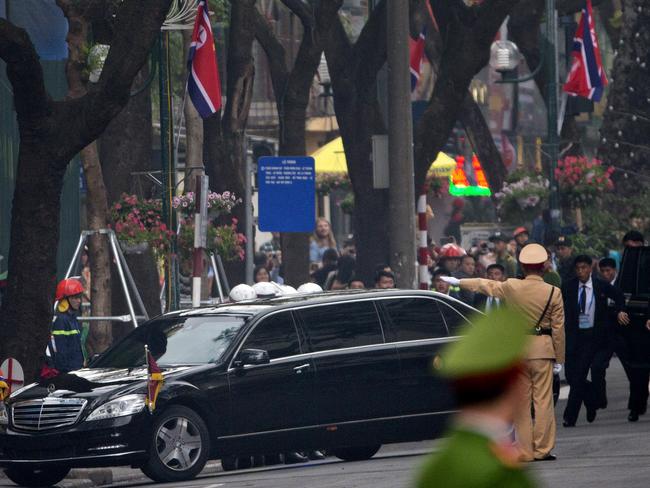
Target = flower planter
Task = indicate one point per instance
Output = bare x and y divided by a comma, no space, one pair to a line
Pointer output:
134,247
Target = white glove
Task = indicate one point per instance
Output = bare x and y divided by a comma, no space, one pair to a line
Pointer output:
557,368
451,280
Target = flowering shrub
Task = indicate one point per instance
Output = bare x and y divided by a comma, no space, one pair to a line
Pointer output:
522,197
582,179
137,220
218,203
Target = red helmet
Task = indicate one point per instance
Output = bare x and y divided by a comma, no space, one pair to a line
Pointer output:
519,230
452,250
68,288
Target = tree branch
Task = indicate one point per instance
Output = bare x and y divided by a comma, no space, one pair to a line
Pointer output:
24,72
302,10
275,53
137,27
370,50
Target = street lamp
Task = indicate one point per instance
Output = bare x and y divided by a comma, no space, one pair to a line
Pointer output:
504,54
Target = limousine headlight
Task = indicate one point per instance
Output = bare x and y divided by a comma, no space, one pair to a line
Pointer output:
120,407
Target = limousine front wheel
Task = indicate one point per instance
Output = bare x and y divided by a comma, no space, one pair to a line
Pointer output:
179,447
29,476
360,453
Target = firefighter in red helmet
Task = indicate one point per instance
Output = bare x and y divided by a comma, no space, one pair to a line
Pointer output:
66,331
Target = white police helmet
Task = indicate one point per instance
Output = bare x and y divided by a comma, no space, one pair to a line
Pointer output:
242,292
309,288
264,289
288,290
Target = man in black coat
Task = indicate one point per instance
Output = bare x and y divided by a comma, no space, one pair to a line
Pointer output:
586,323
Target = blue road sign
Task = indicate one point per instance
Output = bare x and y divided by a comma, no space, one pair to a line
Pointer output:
287,191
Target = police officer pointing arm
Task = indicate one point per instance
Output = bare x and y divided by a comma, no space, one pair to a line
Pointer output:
542,306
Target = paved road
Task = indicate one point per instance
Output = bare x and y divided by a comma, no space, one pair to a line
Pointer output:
611,452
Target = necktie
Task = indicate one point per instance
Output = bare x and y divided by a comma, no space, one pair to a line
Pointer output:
582,301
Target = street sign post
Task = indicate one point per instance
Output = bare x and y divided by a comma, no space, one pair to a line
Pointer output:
287,193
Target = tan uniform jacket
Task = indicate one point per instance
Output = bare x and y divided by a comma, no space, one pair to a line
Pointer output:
530,296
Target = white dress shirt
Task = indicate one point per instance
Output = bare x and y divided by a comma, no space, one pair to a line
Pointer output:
586,320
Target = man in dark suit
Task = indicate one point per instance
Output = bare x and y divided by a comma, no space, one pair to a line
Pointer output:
485,303
586,322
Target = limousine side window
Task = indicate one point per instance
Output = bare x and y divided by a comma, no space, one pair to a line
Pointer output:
342,325
275,334
415,318
454,320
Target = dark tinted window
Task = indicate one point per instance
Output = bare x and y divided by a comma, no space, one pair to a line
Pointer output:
342,325
415,318
173,341
453,317
275,334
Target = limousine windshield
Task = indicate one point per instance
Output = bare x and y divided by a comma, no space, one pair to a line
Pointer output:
174,341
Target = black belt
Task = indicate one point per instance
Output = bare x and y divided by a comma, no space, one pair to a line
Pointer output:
538,331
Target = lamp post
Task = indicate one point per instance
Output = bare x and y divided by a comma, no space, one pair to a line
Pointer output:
504,57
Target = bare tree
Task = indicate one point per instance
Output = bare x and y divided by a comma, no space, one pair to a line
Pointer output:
51,134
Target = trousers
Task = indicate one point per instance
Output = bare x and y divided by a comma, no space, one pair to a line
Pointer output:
536,438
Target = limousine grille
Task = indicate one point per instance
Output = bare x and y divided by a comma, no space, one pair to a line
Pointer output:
46,413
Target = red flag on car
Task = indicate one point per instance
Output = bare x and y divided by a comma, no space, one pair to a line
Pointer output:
155,380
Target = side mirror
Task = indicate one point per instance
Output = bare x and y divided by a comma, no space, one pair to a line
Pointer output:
252,356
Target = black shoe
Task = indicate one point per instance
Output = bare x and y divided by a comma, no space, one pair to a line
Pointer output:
548,457
315,455
566,423
591,415
294,457
633,417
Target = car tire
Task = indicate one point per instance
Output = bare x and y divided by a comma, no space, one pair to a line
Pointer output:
360,453
29,476
180,445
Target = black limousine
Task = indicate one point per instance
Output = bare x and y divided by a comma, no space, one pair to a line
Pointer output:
347,371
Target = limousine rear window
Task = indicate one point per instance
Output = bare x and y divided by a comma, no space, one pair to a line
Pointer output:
174,341
342,325
415,318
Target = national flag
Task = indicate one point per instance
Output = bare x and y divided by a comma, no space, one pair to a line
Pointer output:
416,50
587,77
155,380
203,84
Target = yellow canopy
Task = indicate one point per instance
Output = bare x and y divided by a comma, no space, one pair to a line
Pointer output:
331,159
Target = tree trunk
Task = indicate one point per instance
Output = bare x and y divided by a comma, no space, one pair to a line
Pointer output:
32,252
193,132
100,334
125,148
225,144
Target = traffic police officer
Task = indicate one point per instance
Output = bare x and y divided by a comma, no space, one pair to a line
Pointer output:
484,369
542,306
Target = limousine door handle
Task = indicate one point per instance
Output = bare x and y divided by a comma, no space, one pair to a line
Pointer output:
301,368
